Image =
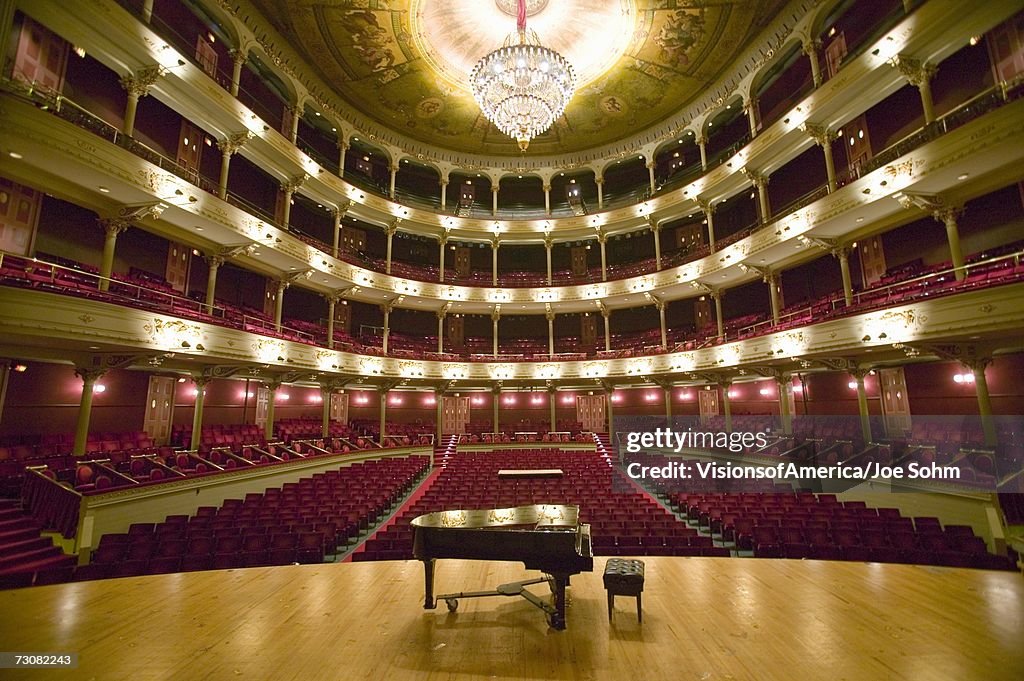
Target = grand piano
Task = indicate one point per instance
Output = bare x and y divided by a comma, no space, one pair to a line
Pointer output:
544,537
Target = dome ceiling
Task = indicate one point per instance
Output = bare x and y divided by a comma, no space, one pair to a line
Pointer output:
404,63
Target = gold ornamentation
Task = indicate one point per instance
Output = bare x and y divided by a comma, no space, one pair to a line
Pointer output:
86,319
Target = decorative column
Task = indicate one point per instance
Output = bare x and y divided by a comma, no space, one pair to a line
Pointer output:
709,213
862,403
386,309
726,405
268,426
495,243
197,414
608,393
495,399
282,286
600,192
342,149
719,322
293,130
214,261
336,215
702,142
823,138
772,279
811,48
667,392
390,230
547,199
383,415
147,10
650,175
602,239
948,216
548,243
750,107
919,75
945,213
550,315
326,393
785,390
552,403
438,421
228,146
442,241
111,227
394,174
289,188
494,198
332,301
441,315
137,86
843,255
760,182
656,233
660,305
238,59
607,314
495,317
89,377
988,425
444,193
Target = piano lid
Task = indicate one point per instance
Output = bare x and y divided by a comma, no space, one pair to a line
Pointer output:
535,516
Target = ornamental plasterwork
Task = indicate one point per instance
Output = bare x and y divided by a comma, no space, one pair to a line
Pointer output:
908,318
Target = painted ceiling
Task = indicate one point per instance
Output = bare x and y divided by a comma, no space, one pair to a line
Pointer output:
404,63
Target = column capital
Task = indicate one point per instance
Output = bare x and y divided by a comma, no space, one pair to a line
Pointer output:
650,164
496,313
282,284
114,226
602,237
333,297
810,46
495,242
977,365
599,179
931,203
655,225
201,380
393,167
293,184
548,241
138,83
750,101
338,212
547,187
232,143
706,205
701,139
442,239
392,227
915,71
495,188
822,135
215,260
443,182
859,372
89,375
658,303
759,180
238,54
549,314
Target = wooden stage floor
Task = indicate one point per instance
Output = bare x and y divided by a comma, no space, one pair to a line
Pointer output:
705,619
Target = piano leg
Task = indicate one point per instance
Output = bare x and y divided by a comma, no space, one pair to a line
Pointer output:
428,576
557,618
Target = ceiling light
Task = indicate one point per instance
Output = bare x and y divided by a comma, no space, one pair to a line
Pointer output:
523,87
103,189
14,154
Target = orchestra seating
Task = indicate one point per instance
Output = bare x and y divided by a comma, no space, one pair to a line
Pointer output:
300,522
624,520
766,520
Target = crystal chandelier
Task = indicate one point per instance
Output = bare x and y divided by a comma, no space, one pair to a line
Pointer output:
523,87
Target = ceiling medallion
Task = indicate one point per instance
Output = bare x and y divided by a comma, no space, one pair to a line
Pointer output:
523,87
511,7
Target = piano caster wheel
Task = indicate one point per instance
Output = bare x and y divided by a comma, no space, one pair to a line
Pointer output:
453,604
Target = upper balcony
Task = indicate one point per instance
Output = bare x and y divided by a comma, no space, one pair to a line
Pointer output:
125,44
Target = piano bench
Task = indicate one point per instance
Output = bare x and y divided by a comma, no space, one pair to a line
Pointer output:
624,577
